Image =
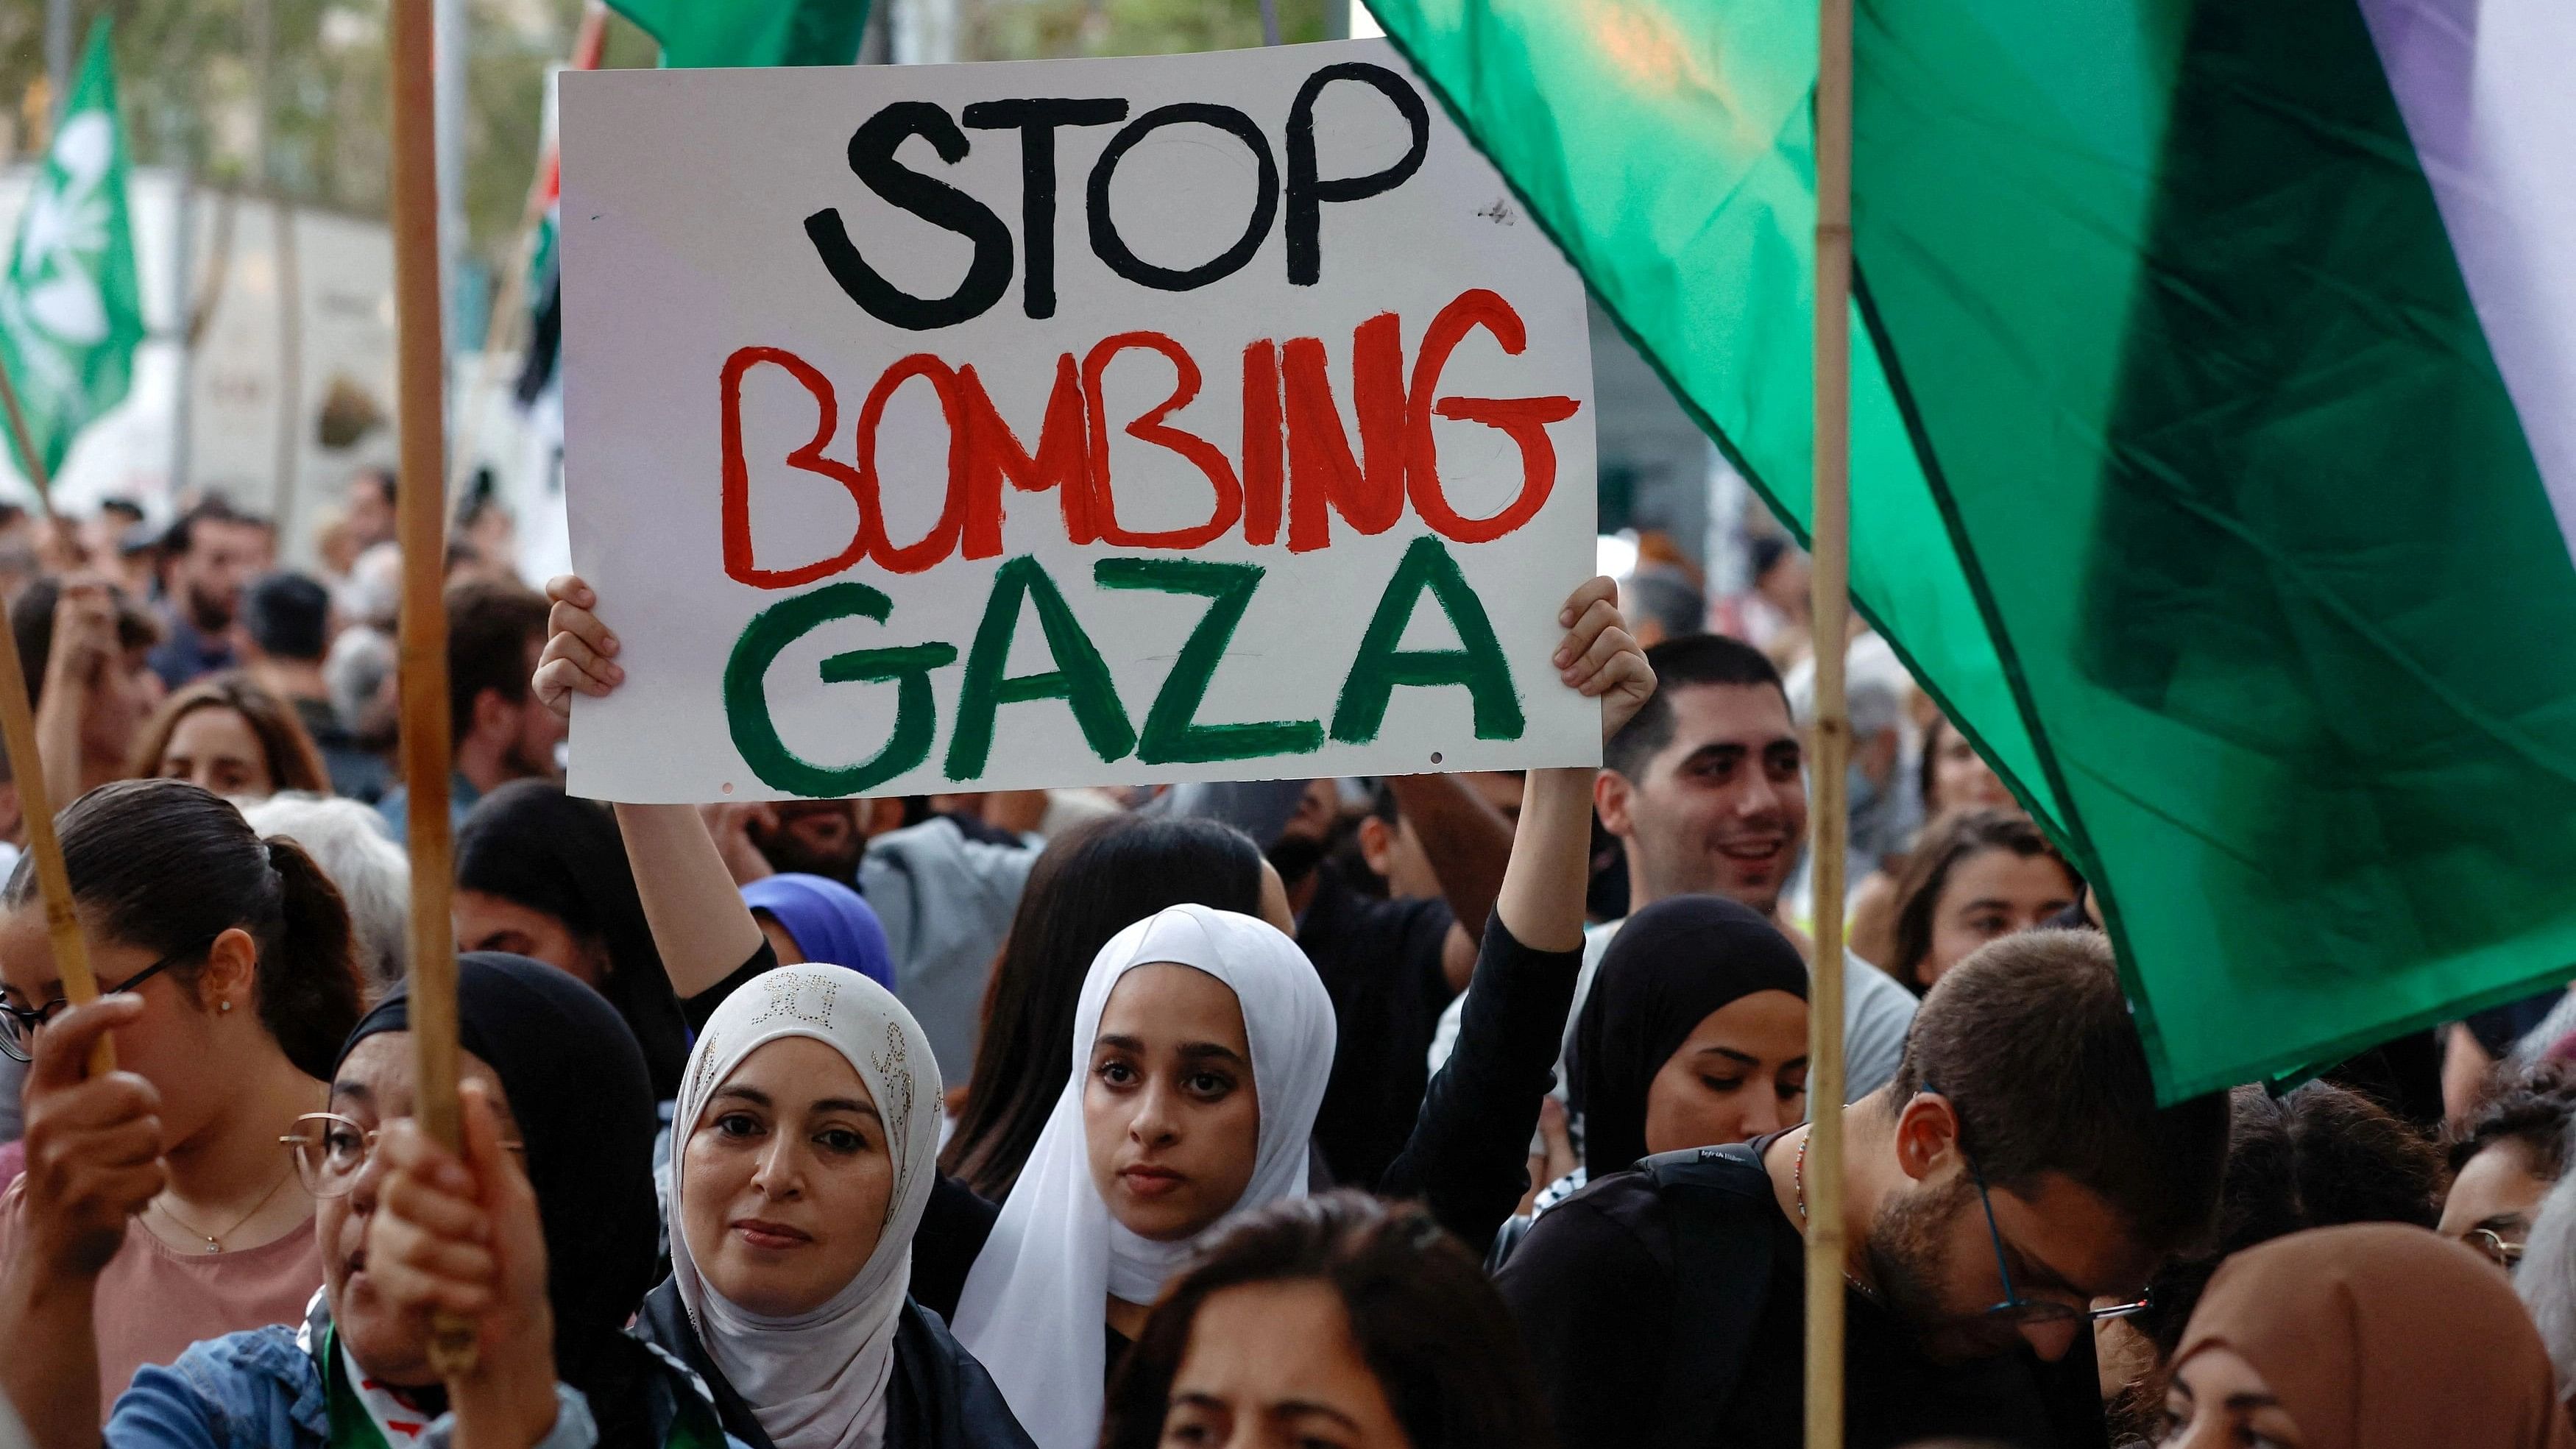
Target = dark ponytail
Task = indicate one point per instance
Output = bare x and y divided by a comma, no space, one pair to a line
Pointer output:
164,866
309,990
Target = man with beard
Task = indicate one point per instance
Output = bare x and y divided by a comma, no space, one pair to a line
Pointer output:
212,552
2015,1182
502,733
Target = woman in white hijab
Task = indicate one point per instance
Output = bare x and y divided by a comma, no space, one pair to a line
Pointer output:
807,1137
1202,1044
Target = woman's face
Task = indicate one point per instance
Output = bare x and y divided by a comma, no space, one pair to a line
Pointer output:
374,1087
786,1178
2498,1191
189,1050
1991,894
1961,778
216,749
1168,1107
1273,1366
2218,1401
1742,1073
486,922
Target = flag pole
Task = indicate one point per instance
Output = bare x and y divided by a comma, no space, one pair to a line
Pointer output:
421,528
25,444
18,736
1830,534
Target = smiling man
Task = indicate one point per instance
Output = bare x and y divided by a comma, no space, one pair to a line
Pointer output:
1706,790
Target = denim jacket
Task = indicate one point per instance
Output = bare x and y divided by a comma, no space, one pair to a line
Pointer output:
263,1389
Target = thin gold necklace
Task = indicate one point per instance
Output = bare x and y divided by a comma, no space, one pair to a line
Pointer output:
215,1241
1798,1179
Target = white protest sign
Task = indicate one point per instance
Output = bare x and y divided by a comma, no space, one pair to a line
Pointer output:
984,427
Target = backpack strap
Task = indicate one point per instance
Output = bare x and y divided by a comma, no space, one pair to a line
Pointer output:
1720,1205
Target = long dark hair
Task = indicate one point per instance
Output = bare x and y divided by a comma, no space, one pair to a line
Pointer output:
1944,843
1422,1311
1090,884
531,844
166,867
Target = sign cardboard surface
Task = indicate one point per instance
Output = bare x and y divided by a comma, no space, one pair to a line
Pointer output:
998,426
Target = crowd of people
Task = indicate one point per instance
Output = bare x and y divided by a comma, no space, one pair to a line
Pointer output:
1431,1112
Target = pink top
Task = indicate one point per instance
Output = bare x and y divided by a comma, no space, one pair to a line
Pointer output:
155,1300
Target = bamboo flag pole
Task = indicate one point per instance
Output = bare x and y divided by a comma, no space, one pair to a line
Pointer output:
18,735
1830,534
421,528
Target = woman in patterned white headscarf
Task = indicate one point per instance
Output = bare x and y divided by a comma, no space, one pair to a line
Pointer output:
807,1136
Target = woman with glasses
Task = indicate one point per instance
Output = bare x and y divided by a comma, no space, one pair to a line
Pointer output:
2368,1336
807,1147
2506,1157
239,950
570,1105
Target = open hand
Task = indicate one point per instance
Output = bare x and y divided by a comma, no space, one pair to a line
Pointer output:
1599,659
93,1143
580,654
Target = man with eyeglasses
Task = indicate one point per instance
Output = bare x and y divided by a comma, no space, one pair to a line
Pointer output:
2015,1182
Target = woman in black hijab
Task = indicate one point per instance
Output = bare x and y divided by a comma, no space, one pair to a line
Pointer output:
543,875
581,1103
578,1099
1695,1034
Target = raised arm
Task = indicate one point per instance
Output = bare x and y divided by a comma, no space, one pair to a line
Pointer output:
1544,884
700,925
1467,843
1468,1155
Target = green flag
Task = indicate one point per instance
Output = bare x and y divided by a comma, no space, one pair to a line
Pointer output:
71,311
2207,453
751,32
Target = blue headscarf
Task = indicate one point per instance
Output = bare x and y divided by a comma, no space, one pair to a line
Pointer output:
832,923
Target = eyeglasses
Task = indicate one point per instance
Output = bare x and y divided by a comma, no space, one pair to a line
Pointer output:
2505,1255
19,1025
331,1150
2031,1313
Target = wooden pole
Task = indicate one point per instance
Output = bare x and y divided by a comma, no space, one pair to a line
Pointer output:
421,526
1830,533
18,735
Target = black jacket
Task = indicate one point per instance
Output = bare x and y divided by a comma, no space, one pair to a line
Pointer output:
939,1398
